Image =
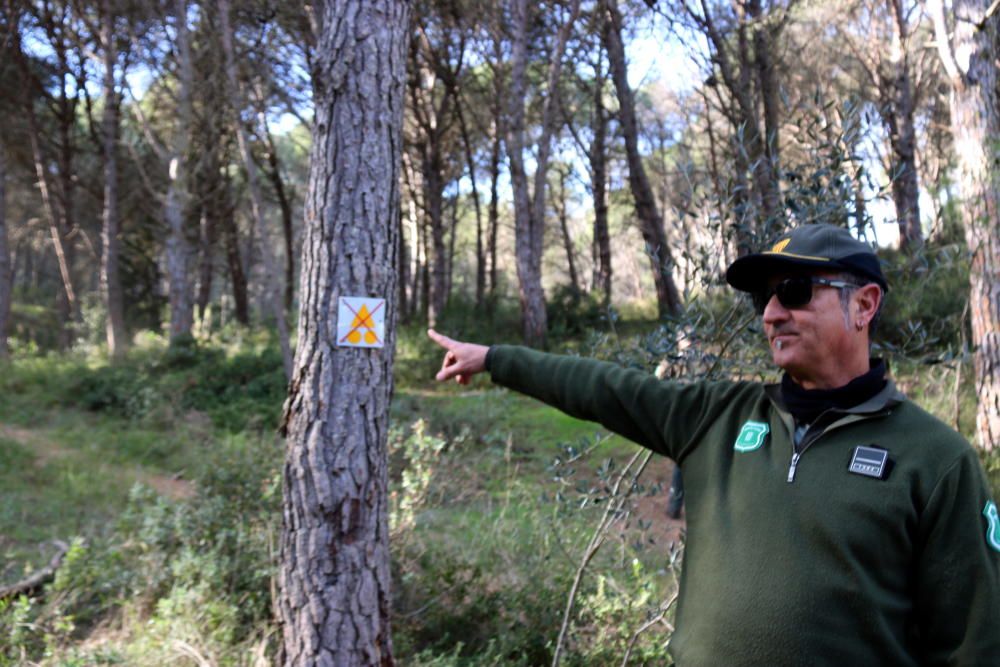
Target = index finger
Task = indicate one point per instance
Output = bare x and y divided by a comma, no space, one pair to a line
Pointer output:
443,341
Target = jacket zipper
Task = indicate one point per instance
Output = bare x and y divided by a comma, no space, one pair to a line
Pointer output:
798,448
797,454
794,464
810,437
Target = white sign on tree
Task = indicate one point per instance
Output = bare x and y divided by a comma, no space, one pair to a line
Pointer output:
360,322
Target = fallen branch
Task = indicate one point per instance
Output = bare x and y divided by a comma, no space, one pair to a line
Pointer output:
36,580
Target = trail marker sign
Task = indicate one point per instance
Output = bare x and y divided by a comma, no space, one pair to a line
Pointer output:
360,322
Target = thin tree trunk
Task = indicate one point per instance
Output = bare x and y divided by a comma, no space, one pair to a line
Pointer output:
667,297
975,122
901,105
533,316
334,600
209,228
272,282
574,280
497,133
763,39
6,275
238,279
403,271
285,203
453,233
434,199
413,273
111,288
66,192
425,273
68,295
178,246
599,186
471,165
529,209
493,215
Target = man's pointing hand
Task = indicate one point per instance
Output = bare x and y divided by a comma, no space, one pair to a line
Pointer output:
461,360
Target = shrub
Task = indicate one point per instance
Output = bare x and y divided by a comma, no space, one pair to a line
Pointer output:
237,391
197,571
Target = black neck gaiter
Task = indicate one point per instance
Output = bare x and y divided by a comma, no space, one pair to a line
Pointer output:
808,404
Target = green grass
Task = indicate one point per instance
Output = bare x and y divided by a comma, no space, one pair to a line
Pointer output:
55,499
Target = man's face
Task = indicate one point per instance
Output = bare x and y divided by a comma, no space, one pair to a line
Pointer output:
813,343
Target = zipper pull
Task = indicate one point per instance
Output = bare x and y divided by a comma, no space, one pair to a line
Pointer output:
791,468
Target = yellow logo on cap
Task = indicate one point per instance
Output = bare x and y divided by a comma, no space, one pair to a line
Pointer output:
780,245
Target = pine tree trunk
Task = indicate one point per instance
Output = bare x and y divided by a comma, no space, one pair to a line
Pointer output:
212,198
574,280
434,199
471,165
111,288
285,203
334,599
975,122
764,41
6,276
529,209
237,276
902,132
667,297
599,186
493,215
534,319
178,246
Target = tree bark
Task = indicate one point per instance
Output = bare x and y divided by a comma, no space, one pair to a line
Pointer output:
529,208
471,165
452,235
6,276
285,203
975,122
493,214
111,288
237,276
668,299
767,82
574,280
272,281
497,132
178,246
410,279
434,200
534,319
900,100
599,186
334,599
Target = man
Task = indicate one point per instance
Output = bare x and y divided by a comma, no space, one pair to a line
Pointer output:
830,520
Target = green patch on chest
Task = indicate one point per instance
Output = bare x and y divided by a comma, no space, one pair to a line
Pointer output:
751,436
993,525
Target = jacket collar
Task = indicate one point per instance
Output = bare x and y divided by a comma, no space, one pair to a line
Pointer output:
881,402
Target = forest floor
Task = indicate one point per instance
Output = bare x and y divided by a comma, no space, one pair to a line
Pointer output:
62,477
494,498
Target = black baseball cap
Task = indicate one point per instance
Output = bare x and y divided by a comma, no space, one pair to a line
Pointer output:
819,246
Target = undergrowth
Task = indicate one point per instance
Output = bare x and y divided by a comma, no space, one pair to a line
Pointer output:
493,497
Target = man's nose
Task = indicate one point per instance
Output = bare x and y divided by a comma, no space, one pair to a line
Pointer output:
774,312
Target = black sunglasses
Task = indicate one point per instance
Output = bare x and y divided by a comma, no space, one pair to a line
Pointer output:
795,292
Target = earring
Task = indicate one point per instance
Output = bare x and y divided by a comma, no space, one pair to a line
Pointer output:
859,325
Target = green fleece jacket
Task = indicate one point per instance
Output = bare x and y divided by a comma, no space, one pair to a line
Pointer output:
808,563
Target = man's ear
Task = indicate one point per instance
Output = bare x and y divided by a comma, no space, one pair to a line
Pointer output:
867,300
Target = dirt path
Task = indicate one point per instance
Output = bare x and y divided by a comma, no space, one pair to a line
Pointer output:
47,450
